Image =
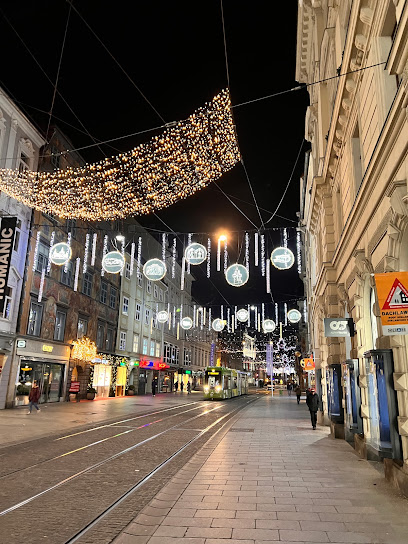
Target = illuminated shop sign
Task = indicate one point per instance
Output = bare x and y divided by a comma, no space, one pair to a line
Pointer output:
48,349
153,365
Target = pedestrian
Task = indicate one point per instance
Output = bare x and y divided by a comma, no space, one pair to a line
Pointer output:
298,392
34,397
312,402
154,386
181,386
176,386
188,388
289,387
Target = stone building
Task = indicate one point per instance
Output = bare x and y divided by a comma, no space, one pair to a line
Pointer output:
354,215
20,142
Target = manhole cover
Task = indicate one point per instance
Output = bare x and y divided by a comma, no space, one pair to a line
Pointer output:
241,430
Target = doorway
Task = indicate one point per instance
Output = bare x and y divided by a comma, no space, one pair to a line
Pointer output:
49,377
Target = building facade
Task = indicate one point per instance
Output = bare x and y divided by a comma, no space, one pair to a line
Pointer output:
354,215
20,144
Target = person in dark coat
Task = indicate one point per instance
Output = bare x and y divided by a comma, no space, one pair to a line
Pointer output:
298,392
312,401
289,387
34,397
181,386
154,387
188,388
176,386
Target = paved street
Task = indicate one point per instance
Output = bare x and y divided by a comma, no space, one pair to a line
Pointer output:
272,478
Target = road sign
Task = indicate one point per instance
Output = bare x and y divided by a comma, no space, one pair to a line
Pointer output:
392,294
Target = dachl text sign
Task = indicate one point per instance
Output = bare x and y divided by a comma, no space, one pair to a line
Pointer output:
335,327
7,232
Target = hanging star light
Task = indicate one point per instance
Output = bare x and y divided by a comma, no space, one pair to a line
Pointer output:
170,167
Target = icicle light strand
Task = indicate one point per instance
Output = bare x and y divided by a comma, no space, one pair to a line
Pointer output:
263,254
256,244
37,242
132,257
209,258
86,251
51,244
173,258
93,255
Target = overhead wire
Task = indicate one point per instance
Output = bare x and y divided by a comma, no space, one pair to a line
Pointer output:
233,203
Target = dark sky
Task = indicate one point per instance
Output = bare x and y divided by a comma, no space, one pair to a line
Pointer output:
174,53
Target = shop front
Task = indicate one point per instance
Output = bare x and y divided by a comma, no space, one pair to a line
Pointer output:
154,370
47,364
109,375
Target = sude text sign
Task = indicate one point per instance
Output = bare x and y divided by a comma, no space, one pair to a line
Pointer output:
392,291
335,327
7,231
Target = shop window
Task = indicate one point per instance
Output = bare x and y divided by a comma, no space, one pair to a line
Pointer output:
158,349
66,277
145,346
149,286
8,300
112,298
34,319
103,295
161,295
82,327
152,348
109,340
122,341
138,311
155,291
100,334
147,316
135,343
127,271
125,306
60,319
87,284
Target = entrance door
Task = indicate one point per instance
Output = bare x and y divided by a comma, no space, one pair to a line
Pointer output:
142,382
49,377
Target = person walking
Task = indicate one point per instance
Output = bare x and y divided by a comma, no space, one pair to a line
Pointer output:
298,392
176,386
154,387
312,401
181,386
34,397
289,387
188,388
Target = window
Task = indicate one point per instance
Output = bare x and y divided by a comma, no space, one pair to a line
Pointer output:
158,350
356,158
100,334
161,295
42,257
187,357
112,298
125,306
103,295
147,316
138,311
8,300
122,341
155,291
139,279
87,284
59,330
66,277
82,327
127,271
55,157
145,344
152,348
16,240
149,286
34,319
109,340
135,343
23,163
154,317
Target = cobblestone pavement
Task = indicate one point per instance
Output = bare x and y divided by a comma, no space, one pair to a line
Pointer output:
272,478
52,487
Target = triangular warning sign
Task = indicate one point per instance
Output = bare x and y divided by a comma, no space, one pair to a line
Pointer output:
397,297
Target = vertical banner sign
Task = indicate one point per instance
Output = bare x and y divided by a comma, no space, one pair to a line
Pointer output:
212,354
269,359
7,232
392,291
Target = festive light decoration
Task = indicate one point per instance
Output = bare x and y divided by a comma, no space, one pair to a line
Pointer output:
242,315
237,275
104,251
139,255
132,258
222,312
195,253
183,273
247,251
86,250
164,245
285,237
152,176
305,311
186,323
209,258
225,256
228,319
37,242
77,266
282,258
263,311
256,245
83,350
299,252
69,245
268,325
113,262
154,269
268,276
60,254
162,316
249,315
263,254
189,237
174,258
294,316
51,244
286,314
40,292
218,325
194,315
94,242
209,319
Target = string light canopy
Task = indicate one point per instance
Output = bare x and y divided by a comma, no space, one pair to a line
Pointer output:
172,166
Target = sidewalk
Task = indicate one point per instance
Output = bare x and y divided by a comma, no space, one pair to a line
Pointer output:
272,478
16,426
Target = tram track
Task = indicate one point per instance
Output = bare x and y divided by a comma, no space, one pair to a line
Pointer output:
103,485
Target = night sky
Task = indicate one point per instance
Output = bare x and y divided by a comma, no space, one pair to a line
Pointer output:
174,53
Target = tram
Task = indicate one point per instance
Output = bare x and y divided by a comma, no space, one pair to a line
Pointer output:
224,383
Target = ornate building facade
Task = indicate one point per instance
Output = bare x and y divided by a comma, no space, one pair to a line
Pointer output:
354,215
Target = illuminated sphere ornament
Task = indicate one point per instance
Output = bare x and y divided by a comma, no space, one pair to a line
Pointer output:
154,269
242,315
60,253
195,253
218,325
294,316
282,258
186,323
113,262
162,316
236,275
268,325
